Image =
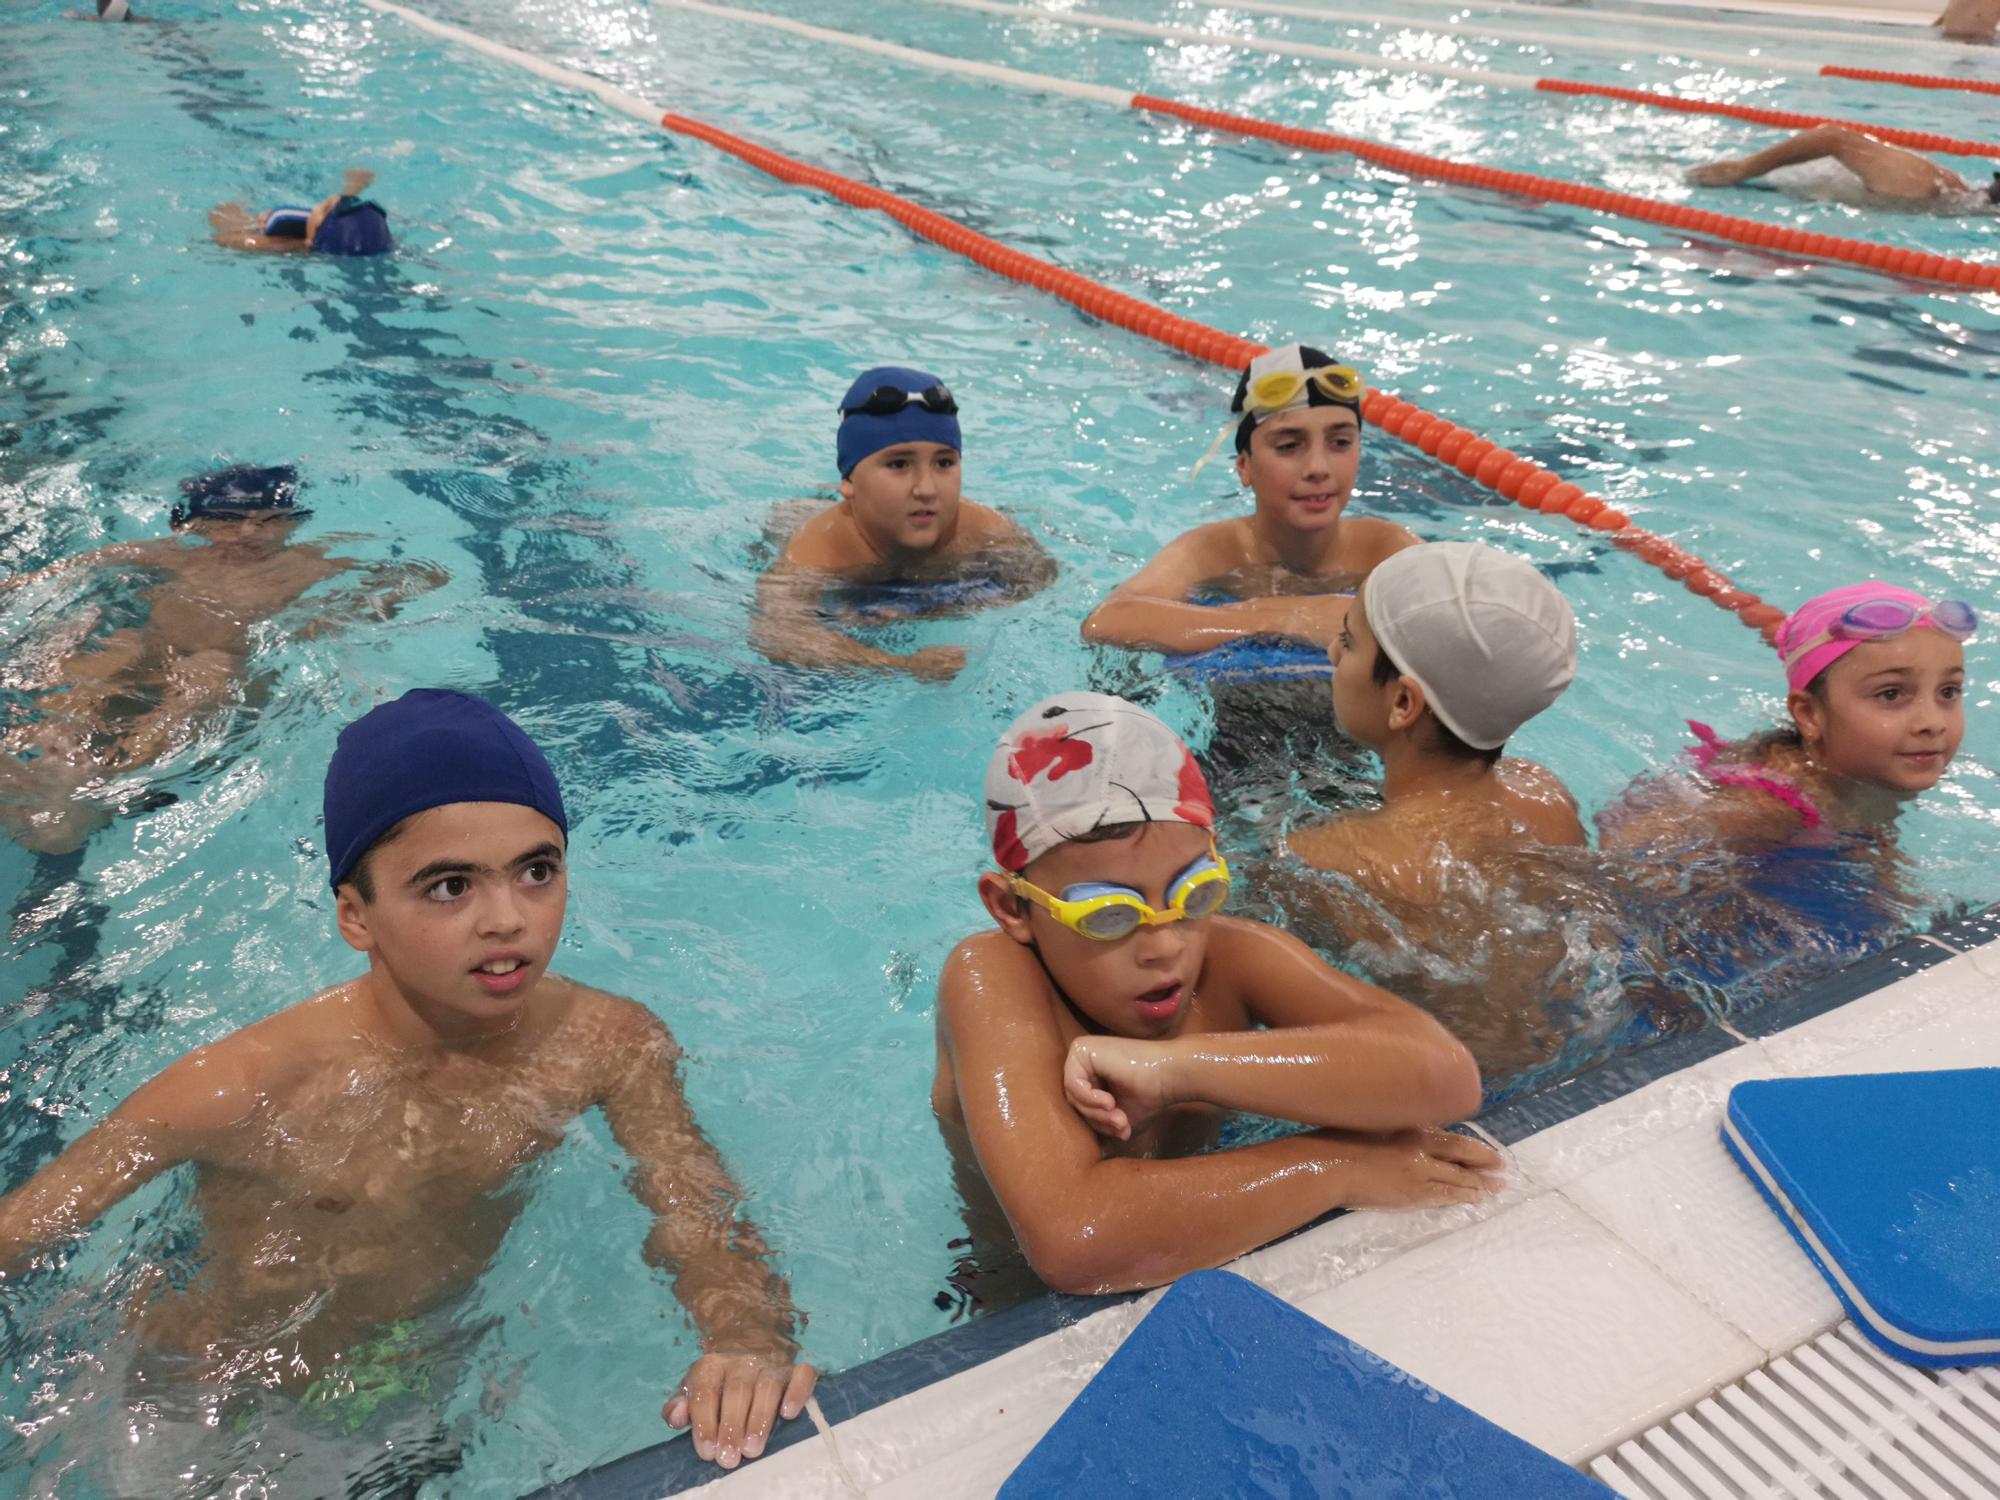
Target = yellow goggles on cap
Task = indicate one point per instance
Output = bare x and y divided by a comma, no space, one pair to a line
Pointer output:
1106,913
1280,388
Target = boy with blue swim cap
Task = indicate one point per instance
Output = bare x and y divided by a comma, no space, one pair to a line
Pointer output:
342,224
1091,1042
900,541
377,1129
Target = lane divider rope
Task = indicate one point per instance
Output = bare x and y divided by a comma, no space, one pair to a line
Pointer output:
1571,14
1485,462
1334,15
1892,259
1916,140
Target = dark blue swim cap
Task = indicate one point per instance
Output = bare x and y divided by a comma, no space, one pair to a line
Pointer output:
236,492
429,748
928,417
354,227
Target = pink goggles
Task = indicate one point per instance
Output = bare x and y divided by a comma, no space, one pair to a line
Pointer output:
1879,619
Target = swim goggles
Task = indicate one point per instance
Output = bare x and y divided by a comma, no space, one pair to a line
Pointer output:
887,400
1106,913
1879,619
1278,389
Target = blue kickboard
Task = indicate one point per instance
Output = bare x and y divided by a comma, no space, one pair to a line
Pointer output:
1890,1182
1225,1390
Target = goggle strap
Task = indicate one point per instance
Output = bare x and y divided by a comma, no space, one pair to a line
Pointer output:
1213,449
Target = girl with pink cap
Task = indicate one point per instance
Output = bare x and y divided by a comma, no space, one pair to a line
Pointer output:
1876,679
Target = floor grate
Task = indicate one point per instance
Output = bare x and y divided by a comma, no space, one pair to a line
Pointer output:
1834,1418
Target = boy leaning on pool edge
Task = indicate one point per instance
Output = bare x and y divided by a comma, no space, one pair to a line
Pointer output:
375,1128
1091,1042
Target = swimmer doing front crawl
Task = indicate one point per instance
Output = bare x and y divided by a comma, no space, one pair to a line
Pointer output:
901,541
1888,172
353,1153
343,223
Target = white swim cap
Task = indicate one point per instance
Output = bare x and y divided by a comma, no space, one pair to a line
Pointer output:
114,10
1488,638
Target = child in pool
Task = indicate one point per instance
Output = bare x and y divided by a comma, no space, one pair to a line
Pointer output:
353,1153
112,704
1876,680
342,224
1449,649
1089,1045
1886,174
899,521
1288,565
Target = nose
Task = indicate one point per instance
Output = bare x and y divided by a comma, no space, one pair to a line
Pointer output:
499,912
1160,947
927,480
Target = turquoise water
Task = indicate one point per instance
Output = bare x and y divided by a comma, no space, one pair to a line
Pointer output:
601,357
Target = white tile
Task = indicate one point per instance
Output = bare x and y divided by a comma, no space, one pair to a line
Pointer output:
1542,1322
1563,1153
1986,959
1686,1206
804,1471
1956,989
976,1470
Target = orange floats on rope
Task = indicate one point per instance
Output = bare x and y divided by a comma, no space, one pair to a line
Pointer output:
1912,80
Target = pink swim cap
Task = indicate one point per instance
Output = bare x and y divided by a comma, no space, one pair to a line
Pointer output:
1817,616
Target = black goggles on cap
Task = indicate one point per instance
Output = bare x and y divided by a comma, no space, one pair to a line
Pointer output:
887,400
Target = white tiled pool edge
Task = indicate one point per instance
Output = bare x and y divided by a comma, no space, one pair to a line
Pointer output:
1628,1269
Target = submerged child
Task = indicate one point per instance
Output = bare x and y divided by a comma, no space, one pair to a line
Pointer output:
1449,649
108,705
1283,570
1089,1045
343,223
355,1155
899,542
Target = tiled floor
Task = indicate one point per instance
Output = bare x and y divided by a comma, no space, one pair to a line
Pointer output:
1628,1269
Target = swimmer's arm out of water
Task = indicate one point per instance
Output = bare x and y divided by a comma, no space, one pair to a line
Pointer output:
1089,1222
1150,610
236,228
720,1264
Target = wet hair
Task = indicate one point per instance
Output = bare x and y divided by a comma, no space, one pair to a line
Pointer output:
1385,671
361,877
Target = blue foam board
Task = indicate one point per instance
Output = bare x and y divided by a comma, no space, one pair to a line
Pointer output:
1223,1390
1890,1182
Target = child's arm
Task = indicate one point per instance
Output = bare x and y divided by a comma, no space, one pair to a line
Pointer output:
1091,1223
1339,1052
154,552
236,228
1024,563
383,589
747,1374
1150,612
785,626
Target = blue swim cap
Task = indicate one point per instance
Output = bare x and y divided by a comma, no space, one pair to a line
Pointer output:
354,227
238,491
429,748
868,424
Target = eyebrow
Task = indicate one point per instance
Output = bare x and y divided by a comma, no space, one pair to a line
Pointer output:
438,869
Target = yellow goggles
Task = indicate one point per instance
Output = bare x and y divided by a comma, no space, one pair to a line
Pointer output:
1280,388
1106,913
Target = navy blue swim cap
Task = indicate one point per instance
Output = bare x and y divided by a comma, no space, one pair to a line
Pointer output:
354,227
429,748
236,492
868,424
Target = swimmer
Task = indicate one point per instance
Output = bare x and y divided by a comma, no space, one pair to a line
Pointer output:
343,224
107,10
355,1157
1449,649
106,705
1288,567
1876,701
1090,1044
900,522
1969,20
1888,172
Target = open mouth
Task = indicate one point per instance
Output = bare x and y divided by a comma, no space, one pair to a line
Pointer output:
502,976
1161,1003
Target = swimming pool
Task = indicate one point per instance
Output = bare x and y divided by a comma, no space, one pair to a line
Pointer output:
604,354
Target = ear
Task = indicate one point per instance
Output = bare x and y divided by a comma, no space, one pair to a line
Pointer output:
1406,704
1006,908
847,489
350,915
1808,715
1243,467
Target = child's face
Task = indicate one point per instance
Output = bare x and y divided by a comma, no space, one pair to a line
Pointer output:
1302,464
905,498
1893,711
1361,706
468,905
1136,986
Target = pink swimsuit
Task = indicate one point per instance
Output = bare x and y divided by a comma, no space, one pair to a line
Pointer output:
1708,750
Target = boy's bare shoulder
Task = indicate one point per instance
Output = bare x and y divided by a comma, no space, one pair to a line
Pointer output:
1339,844
825,541
1377,539
987,978
223,1082
619,1025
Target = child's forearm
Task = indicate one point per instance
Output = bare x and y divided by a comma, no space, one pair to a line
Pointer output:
1174,626
1387,1073
736,1301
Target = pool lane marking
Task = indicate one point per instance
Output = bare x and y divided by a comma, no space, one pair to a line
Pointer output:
1518,479
1612,47
1867,254
1918,140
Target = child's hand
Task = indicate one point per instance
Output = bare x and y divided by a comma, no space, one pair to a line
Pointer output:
935,663
732,1399
1414,1168
1115,1084
1317,617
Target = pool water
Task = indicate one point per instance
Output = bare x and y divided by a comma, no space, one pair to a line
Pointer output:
603,354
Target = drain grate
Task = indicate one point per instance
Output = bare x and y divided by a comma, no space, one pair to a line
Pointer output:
1834,1418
